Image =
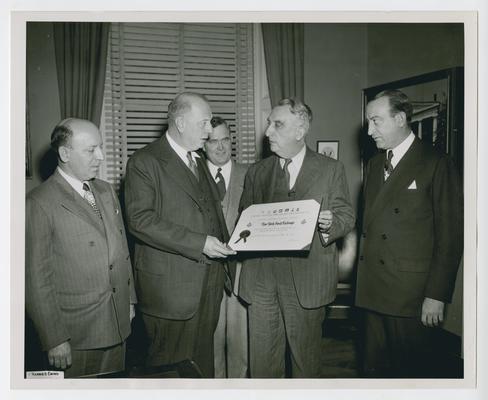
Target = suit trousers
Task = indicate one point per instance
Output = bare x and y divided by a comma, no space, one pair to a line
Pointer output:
230,338
275,318
97,361
397,347
172,341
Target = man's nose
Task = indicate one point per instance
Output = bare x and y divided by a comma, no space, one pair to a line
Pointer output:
267,132
220,146
370,129
99,154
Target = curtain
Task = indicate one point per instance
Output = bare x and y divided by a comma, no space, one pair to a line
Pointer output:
81,57
283,52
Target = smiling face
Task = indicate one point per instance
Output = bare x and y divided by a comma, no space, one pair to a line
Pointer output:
81,157
285,132
194,125
387,130
218,146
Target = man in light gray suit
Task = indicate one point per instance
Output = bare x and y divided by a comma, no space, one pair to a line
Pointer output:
230,337
79,290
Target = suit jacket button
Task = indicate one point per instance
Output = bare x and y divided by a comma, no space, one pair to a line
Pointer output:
128,282
114,290
91,243
111,267
361,258
396,210
364,235
384,236
382,262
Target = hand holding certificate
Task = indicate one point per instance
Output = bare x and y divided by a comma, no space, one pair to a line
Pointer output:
276,226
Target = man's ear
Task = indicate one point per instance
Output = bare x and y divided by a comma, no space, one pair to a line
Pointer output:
64,153
300,133
180,123
401,119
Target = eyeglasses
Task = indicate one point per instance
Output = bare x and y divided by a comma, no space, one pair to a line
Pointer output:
216,142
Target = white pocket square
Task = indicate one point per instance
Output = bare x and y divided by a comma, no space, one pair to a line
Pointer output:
413,185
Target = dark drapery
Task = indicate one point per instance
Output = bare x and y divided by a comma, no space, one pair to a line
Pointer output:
283,51
81,58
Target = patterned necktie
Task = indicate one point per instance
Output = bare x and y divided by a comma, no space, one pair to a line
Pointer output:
287,173
220,183
91,199
388,164
192,164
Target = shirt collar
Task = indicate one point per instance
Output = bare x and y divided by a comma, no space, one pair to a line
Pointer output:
76,184
182,152
213,168
400,150
296,160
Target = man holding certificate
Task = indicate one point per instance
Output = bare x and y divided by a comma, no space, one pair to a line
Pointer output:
287,291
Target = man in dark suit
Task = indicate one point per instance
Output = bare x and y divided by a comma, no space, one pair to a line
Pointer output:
79,290
411,242
230,338
287,292
174,212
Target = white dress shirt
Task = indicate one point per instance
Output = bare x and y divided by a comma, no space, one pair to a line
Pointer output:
400,150
295,165
182,153
76,184
226,170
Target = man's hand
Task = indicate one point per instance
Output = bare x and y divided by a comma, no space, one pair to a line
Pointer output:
214,248
132,312
432,312
60,356
325,221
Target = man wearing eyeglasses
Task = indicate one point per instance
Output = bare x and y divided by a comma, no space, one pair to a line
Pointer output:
230,338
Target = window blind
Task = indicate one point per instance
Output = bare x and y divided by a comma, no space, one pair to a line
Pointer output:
150,63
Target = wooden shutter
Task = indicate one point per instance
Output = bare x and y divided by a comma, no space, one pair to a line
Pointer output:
150,63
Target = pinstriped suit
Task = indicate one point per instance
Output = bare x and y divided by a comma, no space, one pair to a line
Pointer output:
311,278
78,273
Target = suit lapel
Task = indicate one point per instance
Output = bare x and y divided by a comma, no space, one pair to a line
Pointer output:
74,203
308,174
405,172
178,170
267,179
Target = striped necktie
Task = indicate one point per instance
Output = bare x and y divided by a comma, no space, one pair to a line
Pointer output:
388,164
192,165
220,183
88,196
287,173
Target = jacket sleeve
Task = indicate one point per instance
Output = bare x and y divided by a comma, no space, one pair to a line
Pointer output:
447,203
40,292
147,224
340,204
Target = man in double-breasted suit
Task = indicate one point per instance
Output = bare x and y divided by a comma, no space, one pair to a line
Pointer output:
287,292
174,212
230,338
79,290
411,243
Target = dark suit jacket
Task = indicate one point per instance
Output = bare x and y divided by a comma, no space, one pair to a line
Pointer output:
314,272
412,239
165,213
78,272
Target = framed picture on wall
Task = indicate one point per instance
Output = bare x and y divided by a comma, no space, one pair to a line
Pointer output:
329,148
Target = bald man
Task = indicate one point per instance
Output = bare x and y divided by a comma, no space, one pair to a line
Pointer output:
79,290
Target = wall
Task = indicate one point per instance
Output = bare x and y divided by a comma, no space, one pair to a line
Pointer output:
397,51
335,74
43,95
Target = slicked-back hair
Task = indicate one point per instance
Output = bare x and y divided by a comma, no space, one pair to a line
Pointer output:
181,104
300,109
217,121
399,102
61,135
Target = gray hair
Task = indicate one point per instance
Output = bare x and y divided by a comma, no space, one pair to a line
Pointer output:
182,104
300,109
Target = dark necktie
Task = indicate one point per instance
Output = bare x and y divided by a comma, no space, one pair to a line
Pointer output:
192,164
388,164
220,183
88,195
287,173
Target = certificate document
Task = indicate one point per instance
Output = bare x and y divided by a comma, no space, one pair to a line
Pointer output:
289,225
